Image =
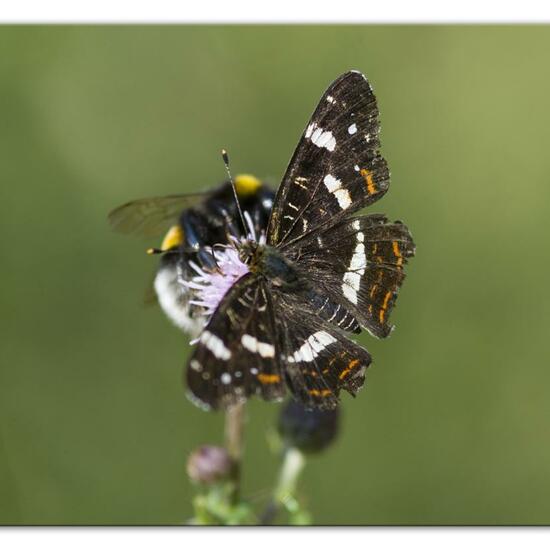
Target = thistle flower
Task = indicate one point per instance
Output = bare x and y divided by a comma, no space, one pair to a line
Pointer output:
209,464
209,286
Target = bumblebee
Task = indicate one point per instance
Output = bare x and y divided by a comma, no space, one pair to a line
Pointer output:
192,224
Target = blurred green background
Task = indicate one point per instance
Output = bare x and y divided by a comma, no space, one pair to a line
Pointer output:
453,424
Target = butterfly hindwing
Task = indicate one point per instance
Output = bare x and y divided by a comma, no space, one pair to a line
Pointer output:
336,168
237,352
318,359
359,264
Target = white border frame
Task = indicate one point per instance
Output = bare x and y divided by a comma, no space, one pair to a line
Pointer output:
279,11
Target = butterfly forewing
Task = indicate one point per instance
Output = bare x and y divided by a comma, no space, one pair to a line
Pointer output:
237,353
336,168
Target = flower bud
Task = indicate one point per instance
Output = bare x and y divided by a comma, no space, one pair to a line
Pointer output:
309,430
209,464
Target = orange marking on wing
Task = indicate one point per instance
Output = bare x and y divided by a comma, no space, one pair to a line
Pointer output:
370,309
320,393
269,378
375,248
380,276
367,176
384,307
350,367
397,253
373,290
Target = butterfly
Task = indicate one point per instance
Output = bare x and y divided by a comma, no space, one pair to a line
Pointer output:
319,272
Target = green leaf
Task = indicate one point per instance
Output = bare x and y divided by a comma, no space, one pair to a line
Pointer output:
214,508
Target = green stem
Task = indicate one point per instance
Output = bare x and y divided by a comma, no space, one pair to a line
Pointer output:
292,465
234,430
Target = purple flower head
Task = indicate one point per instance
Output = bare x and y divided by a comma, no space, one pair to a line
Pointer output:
210,286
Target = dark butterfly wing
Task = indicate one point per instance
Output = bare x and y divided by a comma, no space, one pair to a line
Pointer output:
336,168
329,308
359,264
318,360
237,354
152,217
257,343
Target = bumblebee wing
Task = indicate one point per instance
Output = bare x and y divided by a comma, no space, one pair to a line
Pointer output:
152,217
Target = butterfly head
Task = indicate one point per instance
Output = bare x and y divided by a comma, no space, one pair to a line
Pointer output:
248,251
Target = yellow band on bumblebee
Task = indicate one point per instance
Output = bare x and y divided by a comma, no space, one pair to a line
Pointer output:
246,184
173,238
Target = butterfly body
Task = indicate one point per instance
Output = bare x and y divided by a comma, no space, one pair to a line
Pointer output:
275,268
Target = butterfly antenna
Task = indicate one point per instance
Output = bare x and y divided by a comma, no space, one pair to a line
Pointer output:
226,162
